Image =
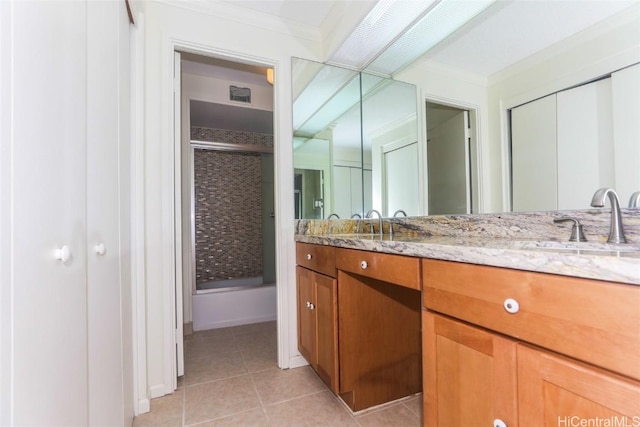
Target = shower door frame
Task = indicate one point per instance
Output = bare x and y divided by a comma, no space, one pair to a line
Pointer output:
217,146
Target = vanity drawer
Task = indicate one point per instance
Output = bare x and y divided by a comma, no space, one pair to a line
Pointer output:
591,320
396,269
318,258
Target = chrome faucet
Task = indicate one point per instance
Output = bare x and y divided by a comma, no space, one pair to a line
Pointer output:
395,214
368,215
616,233
634,201
332,215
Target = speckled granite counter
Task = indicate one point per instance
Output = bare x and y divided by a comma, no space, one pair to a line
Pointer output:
524,241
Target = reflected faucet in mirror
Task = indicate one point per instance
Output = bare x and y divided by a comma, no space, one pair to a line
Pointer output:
333,215
369,215
634,201
395,214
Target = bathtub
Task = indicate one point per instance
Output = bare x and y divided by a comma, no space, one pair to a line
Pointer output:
232,303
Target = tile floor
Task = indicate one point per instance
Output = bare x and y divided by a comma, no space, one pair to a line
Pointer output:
232,379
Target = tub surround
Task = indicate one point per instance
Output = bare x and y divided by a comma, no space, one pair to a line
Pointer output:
523,241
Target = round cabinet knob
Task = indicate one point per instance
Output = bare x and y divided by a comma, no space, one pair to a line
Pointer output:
100,249
309,256
312,307
308,304
364,265
499,423
511,305
63,254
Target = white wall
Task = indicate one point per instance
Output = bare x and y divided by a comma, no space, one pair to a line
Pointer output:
240,39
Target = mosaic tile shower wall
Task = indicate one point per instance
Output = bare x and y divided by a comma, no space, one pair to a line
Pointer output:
228,204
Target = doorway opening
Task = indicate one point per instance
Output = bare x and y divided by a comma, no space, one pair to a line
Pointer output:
452,159
227,229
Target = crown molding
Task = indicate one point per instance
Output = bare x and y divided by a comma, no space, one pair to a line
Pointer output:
250,17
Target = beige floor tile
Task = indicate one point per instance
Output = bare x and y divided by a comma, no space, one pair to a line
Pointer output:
216,399
216,367
209,346
277,385
390,416
254,418
253,340
211,333
320,409
415,405
268,327
260,358
165,411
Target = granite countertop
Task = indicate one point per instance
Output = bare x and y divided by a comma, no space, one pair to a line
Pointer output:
592,260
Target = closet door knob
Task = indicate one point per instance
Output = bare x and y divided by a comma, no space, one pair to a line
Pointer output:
100,249
63,254
312,307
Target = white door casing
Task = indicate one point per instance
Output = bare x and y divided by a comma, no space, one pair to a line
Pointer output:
177,126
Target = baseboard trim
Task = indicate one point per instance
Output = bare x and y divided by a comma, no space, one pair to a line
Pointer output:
157,390
297,362
144,406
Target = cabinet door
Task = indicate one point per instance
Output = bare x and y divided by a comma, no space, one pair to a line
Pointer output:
306,316
379,341
326,309
554,390
469,375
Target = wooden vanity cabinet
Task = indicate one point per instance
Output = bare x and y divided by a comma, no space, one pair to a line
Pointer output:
379,327
317,310
504,344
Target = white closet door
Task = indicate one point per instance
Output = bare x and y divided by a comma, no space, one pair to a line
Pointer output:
47,314
626,130
103,228
585,143
534,171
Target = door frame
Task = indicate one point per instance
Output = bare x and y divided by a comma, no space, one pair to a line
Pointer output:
171,207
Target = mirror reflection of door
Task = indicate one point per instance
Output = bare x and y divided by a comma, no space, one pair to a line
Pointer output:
309,193
448,164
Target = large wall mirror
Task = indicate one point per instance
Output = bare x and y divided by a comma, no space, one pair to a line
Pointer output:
553,103
355,143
